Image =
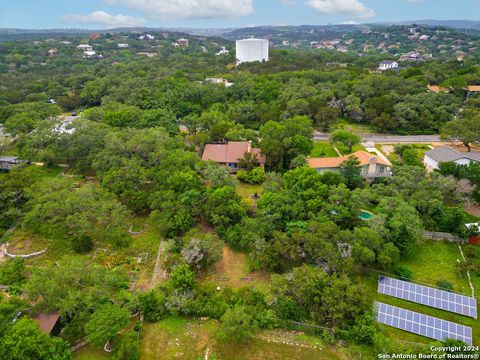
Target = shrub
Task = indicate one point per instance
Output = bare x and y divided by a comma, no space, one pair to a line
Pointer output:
404,272
255,177
128,348
182,278
452,220
152,305
12,272
82,244
237,324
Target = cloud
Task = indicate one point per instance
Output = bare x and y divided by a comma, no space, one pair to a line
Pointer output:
175,9
104,19
353,8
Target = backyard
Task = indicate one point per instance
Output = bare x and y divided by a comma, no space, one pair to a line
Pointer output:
430,262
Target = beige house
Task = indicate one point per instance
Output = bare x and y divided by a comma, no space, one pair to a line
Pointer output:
371,165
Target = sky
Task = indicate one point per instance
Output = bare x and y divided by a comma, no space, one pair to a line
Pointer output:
104,14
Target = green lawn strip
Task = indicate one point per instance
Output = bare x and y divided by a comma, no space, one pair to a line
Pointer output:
360,129
323,149
190,338
433,261
345,151
247,190
90,353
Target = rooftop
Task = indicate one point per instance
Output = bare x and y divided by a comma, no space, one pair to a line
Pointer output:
445,154
387,62
363,157
437,89
474,88
8,158
47,321
231,152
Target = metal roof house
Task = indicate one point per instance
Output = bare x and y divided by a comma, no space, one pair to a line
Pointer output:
8,162
434,157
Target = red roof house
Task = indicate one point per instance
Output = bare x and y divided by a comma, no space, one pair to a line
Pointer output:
229,154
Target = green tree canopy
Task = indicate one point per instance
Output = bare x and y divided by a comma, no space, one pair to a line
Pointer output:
466,129
25,341
105,323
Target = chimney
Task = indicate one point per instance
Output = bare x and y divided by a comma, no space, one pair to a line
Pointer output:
249,148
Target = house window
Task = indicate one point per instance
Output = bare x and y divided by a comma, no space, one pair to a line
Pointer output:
381,169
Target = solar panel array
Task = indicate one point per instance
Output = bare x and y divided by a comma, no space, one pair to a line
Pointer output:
420,324
425,295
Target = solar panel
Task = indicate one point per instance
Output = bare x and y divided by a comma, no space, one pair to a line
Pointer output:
428,296
420,324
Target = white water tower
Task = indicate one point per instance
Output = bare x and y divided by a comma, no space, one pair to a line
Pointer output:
249,50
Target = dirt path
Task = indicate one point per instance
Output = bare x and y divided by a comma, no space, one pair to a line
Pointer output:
157,270
473,210
2,255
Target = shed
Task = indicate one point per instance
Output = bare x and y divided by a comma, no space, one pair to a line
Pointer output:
49,323
8,162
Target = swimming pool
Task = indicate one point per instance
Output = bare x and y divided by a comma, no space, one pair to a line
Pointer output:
365,215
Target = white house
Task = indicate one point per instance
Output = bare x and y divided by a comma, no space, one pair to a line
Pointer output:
183,43
90,54
222,51
220,81
85,47
411,56
122,46
146,37
388,65
433,158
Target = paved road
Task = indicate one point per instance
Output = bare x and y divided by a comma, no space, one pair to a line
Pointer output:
379,138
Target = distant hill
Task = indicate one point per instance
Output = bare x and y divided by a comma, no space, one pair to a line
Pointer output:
301,32
457,24
294,32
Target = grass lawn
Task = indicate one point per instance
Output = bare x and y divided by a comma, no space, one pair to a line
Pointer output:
430,262
345,151
146,243
22,243
189,339
105,254
247,190
90,353
359,129
230,270
323,149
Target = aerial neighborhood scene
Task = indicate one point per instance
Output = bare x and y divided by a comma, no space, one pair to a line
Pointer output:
236,180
